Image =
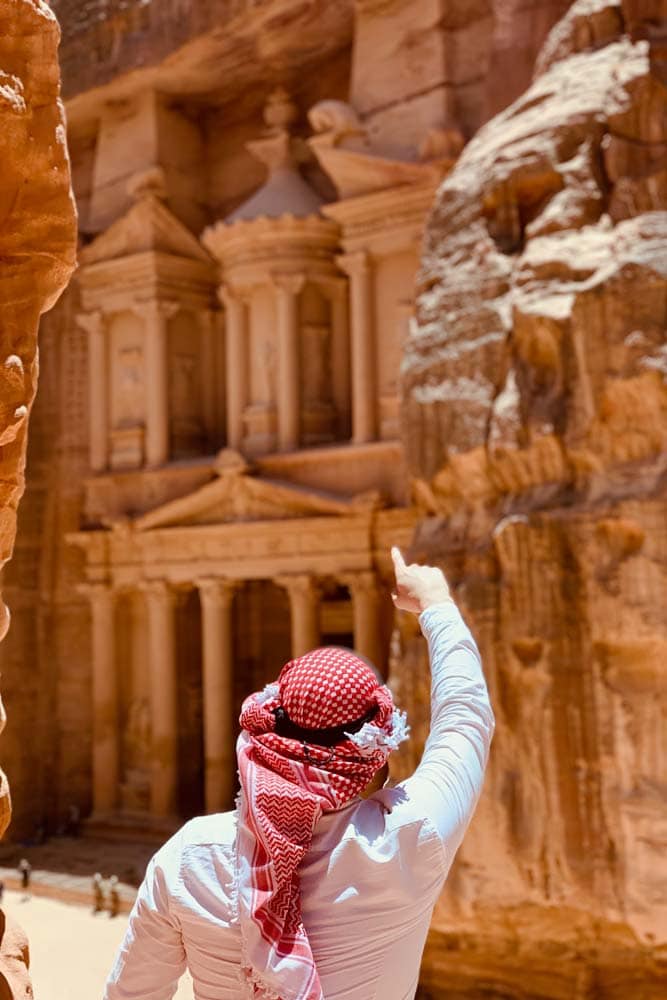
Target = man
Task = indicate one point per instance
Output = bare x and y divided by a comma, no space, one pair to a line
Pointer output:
309,891
25,871
114,896
98,893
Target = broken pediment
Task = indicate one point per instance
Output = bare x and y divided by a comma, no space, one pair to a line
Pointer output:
237,496
148,226
344,153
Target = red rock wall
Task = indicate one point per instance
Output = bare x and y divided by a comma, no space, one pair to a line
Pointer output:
103,39
37,249
535,416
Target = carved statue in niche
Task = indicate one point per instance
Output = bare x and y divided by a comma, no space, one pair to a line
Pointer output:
128,406
186,427
137,743
317,375
260,415
317,409
184,384
266,372
316,364
130,382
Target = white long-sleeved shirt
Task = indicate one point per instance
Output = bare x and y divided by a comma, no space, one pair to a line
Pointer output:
368,883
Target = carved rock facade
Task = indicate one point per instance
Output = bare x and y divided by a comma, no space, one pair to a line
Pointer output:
535,411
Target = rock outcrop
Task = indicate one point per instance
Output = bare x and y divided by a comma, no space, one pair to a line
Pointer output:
37,227
37,248
535,417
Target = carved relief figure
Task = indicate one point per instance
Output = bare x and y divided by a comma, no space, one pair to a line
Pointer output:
130,380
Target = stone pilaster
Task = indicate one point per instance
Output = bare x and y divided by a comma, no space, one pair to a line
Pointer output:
358,266
365,592
157,315
104,698
98,388
288,288
161,605
304,597
236,363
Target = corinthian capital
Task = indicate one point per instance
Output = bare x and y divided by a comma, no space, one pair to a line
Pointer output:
289,282
216,592
356,263
299,585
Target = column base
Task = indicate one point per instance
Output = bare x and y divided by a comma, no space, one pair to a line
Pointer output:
133,827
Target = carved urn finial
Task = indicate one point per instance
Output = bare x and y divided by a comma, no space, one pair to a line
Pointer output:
150,183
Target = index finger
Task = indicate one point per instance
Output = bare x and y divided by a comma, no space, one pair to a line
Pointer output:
397,556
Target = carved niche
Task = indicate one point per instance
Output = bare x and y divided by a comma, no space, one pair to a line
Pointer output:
128,384
318,415
186,423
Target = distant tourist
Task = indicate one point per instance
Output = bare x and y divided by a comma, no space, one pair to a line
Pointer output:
310,890
114,896
25,871
98,893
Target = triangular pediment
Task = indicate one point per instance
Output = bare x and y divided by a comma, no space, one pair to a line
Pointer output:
148,226
236,497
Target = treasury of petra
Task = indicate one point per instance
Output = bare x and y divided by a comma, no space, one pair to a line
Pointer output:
353,273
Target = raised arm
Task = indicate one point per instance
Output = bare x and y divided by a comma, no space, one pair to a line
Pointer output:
449,778
151,959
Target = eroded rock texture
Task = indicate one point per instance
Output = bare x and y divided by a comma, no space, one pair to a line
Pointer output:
37,225
37,253
535,412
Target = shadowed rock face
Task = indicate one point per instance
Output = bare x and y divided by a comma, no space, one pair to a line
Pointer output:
535,414
37,228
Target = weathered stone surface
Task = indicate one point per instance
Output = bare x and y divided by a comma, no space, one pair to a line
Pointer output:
535,415
37,225
214,45
37,250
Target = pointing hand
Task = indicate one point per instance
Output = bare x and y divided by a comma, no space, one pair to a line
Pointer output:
417,587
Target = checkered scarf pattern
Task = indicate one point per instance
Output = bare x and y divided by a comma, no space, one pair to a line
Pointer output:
286,785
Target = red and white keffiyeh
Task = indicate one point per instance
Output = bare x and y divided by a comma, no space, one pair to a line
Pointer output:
286,785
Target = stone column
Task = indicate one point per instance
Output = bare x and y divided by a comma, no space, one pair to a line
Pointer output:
364,381
237,366
216,597
288,287
156,316
304,597
161,601
98,389
105,698
365,593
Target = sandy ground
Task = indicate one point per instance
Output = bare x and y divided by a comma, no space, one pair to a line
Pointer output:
71,951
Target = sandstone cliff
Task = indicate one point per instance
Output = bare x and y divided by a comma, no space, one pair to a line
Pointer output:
37,227
535,417
37,249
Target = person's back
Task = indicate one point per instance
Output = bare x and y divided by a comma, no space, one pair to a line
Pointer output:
369,878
